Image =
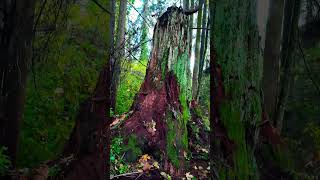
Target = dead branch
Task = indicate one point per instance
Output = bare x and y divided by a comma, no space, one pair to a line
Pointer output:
101,7
134,174
194,10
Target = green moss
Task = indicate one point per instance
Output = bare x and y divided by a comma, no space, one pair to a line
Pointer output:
132,148
172,151
241,64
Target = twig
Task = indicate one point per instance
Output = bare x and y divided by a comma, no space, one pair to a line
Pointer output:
145,19
194,10
126,174
103,8
201,28
139,176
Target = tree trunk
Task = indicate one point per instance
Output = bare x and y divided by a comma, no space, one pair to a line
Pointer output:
236,77
16,32
271,63
242,135
157,125
144,33
197,53
191,26
89,142
119,52
203,47
289,43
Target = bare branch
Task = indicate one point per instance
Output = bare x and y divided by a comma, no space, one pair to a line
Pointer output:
194,10
103,8
146,20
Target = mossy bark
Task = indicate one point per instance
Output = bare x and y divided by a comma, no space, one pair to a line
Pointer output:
242,132
160,110
237,75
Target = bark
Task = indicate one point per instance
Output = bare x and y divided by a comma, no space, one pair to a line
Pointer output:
191,26
119,52
235,77
271,63
16,32
203,47
242,135
309,12
197,54
290,32
158,122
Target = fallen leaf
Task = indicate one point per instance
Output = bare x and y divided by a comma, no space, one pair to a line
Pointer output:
189,176
144,158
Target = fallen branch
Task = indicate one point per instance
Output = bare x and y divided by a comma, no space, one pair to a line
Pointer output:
127,175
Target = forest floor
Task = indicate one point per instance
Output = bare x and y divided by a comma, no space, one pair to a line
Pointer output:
146,167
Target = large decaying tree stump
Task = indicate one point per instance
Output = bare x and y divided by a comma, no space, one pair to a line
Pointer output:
157,124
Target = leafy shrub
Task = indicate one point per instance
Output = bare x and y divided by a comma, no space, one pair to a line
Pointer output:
119,166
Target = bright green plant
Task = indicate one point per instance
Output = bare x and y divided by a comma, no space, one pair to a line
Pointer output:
129,86
119,166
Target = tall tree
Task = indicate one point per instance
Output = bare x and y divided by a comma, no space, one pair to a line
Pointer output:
197,53
144,33
272,55
119,52
288,59
16,33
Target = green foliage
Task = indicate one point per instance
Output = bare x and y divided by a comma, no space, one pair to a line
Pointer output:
65,78
5,162
119,166
54,171
130,84
133,148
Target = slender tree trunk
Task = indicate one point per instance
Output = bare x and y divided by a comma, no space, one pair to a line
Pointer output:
16,33
289,43
197,54
271,63
119,52
160,112
144,33
191,26
202,47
